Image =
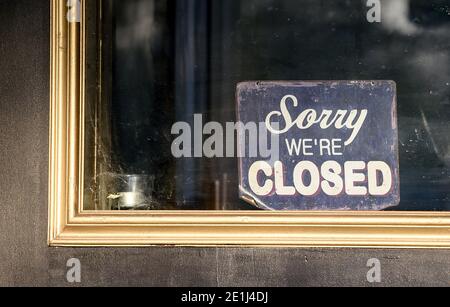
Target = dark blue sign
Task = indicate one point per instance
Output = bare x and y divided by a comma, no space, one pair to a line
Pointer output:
327,145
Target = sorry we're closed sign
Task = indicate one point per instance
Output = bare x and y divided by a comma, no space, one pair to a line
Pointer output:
326,145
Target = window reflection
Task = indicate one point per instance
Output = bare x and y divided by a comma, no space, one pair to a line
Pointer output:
164,61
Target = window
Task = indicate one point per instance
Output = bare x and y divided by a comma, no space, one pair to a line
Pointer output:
147,148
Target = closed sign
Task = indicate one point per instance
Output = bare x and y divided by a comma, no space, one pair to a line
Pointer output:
328,145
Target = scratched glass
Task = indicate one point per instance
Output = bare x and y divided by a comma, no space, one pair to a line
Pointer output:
155,63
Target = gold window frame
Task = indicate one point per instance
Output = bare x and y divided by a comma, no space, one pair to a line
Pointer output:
70,225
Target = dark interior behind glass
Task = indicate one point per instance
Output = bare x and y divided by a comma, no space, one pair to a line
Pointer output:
162,61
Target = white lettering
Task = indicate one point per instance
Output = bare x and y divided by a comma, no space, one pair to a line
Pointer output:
253,174
375,168
343,119
352,177
355,178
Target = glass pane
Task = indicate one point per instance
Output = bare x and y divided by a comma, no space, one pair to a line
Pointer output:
155,63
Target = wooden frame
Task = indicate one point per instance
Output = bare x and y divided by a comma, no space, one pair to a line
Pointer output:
69,225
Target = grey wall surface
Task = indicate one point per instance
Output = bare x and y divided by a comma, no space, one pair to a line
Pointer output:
25,259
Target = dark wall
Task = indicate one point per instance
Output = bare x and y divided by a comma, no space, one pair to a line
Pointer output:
26,260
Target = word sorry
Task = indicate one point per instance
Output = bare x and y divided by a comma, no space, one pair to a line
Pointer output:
341,119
